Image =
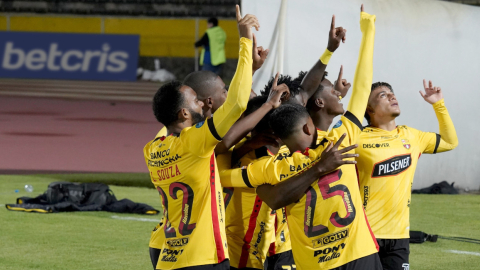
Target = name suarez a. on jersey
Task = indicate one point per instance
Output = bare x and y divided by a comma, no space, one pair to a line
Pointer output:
392,166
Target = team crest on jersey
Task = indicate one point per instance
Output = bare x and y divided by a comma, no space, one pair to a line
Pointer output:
338,124
199,124
406,143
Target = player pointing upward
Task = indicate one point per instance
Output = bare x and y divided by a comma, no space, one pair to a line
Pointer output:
184,170
387,163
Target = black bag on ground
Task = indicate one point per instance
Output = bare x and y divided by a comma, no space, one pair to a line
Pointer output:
66,197
418,237
438,188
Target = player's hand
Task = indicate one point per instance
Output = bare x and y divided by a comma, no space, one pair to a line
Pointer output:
432,93
332,158
335,36
278,93
262,139
259,55
341,85
246,23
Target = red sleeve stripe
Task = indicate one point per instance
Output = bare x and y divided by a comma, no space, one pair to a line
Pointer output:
249,235
370,229
216,225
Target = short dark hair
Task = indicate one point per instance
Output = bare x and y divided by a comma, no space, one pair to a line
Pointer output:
292,85
253,105
201,82
167,102
285,118
213,21
375,86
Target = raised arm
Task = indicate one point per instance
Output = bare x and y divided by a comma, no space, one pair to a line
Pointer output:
448,136
239,90
314,76
362,81
242,127
293,189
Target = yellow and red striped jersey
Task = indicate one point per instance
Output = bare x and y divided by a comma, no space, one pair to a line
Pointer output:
250,223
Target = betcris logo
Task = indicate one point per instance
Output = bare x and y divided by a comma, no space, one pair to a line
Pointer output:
68,56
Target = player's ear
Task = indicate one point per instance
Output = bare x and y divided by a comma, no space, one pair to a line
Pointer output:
183,115
208,103
370,110
307,130
319,103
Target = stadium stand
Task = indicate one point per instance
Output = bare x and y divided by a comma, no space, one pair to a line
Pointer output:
154,8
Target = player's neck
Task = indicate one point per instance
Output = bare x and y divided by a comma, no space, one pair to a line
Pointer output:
385,124
322,120
176,128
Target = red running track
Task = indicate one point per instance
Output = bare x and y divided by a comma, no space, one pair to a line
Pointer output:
44,134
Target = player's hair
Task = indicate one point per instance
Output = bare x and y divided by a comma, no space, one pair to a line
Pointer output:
253,105
167,102
301,75
213,21
375,86
285,119
293,86
202,82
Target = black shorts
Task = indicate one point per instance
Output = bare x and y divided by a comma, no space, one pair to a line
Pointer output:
394,253
154,254
370,262
225,265
280,261
245,268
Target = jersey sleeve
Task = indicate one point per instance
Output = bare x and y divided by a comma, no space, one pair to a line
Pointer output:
238,92
432,143
362,82
273,170
350,125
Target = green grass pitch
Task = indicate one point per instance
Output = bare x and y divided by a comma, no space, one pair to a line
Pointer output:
95,240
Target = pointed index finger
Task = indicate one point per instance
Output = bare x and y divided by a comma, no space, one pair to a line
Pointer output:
425,86
332,26
239,16
361,8
340,74
276,80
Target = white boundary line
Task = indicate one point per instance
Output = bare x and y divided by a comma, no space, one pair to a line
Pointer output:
136,219
463,252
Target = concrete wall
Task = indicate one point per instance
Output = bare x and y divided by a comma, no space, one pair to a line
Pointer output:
415,40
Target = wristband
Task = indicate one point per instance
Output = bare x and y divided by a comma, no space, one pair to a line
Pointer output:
325,58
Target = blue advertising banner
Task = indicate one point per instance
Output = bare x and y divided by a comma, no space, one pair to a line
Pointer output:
68,56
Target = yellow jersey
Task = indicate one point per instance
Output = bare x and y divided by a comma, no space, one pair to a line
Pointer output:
250,223
328,225
386,168
184,171
156,237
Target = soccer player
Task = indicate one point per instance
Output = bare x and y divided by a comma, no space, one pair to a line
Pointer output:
183,166
327,225
211,90
388,158
252,255
249,221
